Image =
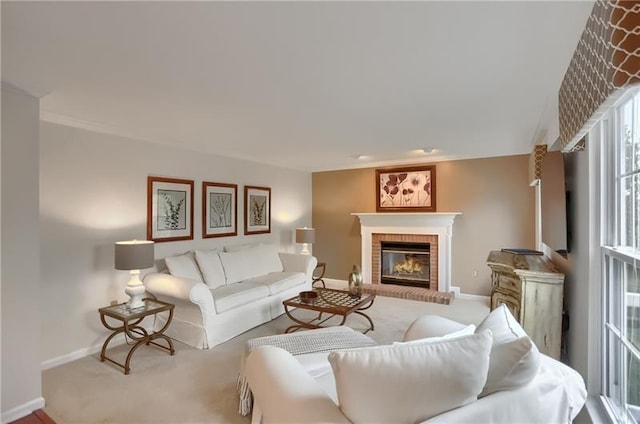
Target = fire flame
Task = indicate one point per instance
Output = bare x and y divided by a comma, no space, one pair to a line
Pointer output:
408,266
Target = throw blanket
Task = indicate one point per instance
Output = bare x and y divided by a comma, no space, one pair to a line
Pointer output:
320,340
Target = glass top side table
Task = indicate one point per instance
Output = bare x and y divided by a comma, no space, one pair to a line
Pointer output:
130,320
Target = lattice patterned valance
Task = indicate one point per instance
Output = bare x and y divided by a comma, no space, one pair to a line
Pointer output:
606,61
535,163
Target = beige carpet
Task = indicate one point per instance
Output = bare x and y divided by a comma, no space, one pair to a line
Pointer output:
198,386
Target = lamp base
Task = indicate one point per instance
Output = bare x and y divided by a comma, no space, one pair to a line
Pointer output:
135,290
305,249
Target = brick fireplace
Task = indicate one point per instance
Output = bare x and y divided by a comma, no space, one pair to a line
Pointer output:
434,228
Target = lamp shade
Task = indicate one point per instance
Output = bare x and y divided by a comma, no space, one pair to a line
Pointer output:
134,254
305,235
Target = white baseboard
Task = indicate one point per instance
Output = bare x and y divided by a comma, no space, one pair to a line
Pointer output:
459,295
22,410
332,282
80,353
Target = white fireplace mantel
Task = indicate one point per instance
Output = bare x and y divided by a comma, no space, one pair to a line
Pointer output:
430,223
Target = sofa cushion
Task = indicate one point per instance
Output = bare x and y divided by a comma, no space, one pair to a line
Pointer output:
277,282
515,359
183,266
466,331
211,268
239,247
410,383
237,266
431,326
267,258
233,295
316,363
249,263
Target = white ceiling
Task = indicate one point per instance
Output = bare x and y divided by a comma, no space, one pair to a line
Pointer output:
305,85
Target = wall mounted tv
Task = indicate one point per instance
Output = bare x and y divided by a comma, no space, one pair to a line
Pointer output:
555,201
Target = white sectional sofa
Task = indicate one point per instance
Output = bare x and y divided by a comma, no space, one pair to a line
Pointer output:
220,294
444,372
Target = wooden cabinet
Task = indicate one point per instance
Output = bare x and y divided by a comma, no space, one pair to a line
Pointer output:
532,288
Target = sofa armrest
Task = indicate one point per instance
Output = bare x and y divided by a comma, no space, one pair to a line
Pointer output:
285,392
169,286
296,262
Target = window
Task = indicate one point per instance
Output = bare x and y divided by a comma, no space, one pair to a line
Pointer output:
621,261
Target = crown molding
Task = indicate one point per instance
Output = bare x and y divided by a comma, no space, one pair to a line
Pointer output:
7,86
68,121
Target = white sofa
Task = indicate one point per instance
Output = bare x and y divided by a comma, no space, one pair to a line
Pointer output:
492,375
220,294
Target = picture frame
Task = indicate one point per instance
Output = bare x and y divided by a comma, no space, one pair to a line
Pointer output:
169,209
257,210
406,189
219,209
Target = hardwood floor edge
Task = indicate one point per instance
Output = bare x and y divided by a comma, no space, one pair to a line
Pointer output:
36,417
43,417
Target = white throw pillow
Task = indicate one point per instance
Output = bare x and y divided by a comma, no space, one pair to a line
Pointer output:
211,268
183,266
466,331
502,324
410,383
515,359
512,364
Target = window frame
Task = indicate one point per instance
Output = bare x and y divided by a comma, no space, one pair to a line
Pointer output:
614,257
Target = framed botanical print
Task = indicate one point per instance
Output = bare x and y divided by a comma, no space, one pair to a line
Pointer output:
169,209
406,189
257,214
219,209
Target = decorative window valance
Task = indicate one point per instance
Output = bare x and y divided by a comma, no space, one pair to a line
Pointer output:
535,163
605,63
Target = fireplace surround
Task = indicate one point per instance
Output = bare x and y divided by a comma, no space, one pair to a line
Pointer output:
434,228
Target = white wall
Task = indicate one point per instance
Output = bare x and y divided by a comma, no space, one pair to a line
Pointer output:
21,300
585,340
93,192
577,265
582,269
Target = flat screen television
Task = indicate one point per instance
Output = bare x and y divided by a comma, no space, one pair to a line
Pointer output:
555,203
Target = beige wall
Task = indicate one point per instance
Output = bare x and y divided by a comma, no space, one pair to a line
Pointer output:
80,222
493,195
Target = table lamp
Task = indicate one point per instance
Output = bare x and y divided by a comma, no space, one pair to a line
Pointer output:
133,256
305,236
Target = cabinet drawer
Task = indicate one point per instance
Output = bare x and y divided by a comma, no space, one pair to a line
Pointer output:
507,282
498,298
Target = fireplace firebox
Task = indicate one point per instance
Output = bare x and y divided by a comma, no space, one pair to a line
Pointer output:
405,263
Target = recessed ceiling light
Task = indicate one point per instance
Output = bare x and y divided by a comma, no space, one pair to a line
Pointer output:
362,157
423,151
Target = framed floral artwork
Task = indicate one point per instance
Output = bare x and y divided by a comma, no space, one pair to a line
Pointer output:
169,209
406,189
257,214
219,209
